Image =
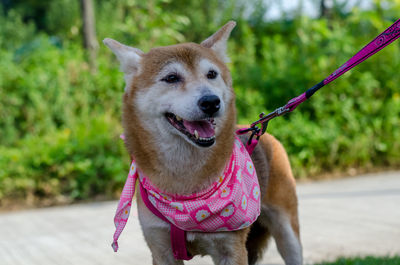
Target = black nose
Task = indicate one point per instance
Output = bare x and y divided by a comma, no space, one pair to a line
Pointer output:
209,104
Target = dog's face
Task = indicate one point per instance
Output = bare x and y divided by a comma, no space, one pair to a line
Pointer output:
180,92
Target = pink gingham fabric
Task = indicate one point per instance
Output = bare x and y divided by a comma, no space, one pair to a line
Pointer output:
230,203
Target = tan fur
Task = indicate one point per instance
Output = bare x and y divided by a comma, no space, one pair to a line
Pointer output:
281,191
279,202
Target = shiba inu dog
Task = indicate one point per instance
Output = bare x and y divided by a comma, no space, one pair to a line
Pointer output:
179,120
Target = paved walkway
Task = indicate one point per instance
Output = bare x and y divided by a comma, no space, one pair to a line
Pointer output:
348,217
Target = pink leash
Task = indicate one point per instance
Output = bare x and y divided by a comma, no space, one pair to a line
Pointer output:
381,41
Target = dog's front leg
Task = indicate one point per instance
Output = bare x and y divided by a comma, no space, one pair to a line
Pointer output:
159,243
157,235
225,248
231,255
231,250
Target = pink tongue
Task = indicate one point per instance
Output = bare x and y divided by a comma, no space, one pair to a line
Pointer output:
204,128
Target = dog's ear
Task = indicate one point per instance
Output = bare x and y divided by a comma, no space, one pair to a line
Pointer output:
218,41
129,57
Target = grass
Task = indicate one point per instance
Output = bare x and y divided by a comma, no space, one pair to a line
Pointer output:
365,261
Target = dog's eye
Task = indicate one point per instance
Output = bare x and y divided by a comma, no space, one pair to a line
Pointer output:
212,74
172,78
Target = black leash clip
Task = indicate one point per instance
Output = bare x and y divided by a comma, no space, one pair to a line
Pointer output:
258,131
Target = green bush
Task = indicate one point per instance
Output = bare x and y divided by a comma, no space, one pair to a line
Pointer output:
78,163
44,87
59,123
352,122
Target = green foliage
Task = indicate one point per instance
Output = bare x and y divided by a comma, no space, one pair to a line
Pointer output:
366,261
45,87
78,164
352,122
59,123
10,37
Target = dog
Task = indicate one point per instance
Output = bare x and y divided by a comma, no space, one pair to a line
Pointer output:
179,121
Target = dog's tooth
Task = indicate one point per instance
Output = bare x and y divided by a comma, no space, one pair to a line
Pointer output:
196,134
178,118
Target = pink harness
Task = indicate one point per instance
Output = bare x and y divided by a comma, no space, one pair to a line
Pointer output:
231,203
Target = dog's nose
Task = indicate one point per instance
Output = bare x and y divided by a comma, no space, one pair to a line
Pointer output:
209,104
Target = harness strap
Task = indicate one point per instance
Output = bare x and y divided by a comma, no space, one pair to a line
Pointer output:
252,141
251,145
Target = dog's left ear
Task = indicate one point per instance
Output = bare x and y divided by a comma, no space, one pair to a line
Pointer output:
218,41
129,58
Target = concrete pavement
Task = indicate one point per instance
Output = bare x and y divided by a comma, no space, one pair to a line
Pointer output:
346,217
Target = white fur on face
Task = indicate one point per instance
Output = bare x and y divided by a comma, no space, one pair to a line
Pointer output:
217,85
153,102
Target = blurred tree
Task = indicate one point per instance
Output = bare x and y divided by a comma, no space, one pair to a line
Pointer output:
89,32
323,9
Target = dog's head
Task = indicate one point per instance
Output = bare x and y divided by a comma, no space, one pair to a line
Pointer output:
181,92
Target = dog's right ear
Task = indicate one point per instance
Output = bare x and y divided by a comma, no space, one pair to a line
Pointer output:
129,57
218,41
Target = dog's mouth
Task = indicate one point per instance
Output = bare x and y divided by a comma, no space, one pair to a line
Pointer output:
201,132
